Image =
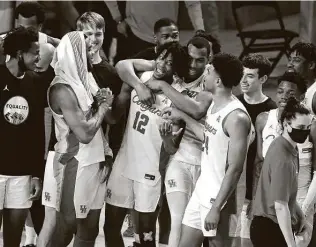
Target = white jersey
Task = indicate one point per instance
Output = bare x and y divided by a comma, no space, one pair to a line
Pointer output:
214,157
141,146
308,100
271,130
68,146
190,148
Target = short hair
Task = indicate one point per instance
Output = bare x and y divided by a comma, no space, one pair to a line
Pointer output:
258,61
92,19
200,43
216,47
306,50
179,57
295,78
163,22
292,107
30,9
229,68
12,41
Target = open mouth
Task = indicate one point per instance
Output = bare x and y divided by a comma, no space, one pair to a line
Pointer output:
192,72
282,103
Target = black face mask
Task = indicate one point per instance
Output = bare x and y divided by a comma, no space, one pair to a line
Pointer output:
299,135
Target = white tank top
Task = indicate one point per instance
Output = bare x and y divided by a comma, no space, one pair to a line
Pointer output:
68,146
190,148
214,157
308,100
272,130
141,145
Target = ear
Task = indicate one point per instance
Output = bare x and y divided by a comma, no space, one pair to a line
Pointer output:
263,79
312,65
155,39
40,26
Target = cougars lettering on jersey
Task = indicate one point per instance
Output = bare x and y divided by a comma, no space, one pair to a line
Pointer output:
190,148
141,145
214,158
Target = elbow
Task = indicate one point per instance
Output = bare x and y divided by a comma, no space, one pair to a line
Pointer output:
198,114
120,66
85,139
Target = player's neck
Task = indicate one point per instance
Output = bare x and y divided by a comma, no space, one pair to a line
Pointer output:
96,58
310,80
255,97
222,98
14,68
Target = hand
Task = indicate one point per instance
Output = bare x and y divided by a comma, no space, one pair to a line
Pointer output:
249,212
212,219
154,85
165,130
171,113
122,28
36,189
145,95
104,95
105,169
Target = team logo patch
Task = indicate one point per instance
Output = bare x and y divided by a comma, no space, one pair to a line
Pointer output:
47,196
83,209
16,110
172,183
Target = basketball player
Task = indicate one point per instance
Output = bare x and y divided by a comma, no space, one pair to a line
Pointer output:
22,103
135,182
32,14
256,71
78,112
226,137
184,168
302,60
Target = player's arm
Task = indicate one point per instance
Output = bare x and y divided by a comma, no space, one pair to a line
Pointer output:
260,123
281,184
171,134
310,199
196,108
126,71
121,102
237,127
53,41
64,98
175,115
195,14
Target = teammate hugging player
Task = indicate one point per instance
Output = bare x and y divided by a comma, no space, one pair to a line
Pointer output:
135,181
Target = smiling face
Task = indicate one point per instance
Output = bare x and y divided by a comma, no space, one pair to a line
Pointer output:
198,59
94,38
286,90
31,57
297,63
164,67
166,35
250,81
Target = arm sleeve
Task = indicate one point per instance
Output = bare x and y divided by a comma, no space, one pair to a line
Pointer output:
195,13
114,10
281,181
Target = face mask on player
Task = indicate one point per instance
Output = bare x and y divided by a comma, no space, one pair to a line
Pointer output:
299,135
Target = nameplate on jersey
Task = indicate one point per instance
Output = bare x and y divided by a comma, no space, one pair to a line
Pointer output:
210,129
150,177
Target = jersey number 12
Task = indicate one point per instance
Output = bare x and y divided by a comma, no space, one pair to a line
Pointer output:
141,120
